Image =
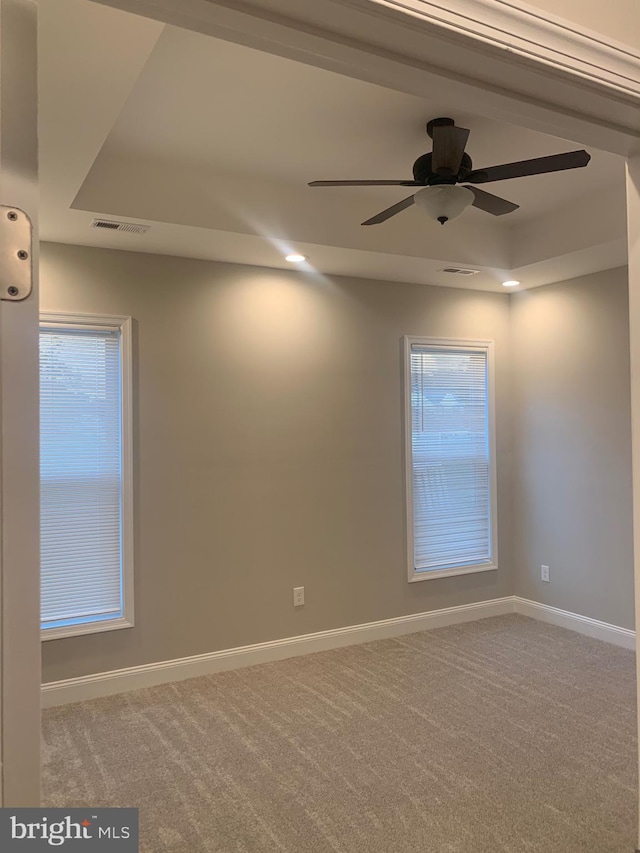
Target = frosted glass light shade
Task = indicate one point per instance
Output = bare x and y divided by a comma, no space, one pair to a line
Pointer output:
444,201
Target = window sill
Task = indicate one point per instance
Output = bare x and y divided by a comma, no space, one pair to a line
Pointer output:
86,628
415,576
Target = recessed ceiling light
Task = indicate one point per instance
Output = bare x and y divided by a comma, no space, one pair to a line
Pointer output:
295,259
510,283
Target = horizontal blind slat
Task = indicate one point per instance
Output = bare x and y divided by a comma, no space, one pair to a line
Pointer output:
80,472
450,457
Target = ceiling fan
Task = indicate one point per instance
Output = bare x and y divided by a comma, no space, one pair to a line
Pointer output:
439,173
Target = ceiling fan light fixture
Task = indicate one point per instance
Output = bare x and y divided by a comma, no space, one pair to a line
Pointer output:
444,201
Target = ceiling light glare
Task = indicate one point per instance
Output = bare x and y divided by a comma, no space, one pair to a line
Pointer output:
295,259
510,283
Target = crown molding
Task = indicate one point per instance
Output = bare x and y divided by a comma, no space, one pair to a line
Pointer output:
525,31
502,25
503,60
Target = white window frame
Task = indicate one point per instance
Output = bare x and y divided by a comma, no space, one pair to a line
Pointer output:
462,345
123,325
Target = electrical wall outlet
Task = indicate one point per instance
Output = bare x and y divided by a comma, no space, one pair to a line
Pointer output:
544,573
298,596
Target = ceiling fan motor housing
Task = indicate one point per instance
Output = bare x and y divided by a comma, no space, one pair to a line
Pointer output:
423,172
439,172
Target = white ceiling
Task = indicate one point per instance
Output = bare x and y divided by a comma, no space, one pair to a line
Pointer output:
213,143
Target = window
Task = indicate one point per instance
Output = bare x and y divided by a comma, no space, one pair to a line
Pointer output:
451,508
85,474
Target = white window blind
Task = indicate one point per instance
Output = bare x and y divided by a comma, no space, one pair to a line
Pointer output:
81,475
451,468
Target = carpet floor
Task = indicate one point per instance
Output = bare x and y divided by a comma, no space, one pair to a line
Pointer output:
499,735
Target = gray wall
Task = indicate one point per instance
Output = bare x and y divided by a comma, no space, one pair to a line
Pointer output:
572,446
268,447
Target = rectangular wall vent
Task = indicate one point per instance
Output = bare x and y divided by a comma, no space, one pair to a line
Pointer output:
114,225
459,271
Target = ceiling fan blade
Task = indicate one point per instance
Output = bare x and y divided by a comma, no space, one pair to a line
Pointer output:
537,166
390,211
365,184
491,203
448,147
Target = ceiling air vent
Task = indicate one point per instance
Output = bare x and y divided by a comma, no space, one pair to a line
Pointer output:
459,271
113,225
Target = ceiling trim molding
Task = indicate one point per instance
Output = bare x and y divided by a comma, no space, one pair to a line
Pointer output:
498,25
576,86
524,30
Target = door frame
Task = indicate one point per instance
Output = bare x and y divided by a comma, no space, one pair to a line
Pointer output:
19,434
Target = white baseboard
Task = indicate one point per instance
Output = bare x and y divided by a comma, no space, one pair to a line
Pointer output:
149,675
624,637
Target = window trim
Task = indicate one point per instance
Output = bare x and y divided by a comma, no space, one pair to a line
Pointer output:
122,324
461,344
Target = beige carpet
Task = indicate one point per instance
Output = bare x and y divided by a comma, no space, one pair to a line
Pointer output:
499,735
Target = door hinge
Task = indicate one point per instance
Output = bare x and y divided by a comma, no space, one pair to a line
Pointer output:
16,254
